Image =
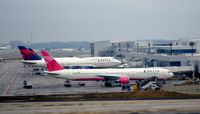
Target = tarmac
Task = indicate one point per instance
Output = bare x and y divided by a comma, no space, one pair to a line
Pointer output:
8,75
106,107
188,89
13,76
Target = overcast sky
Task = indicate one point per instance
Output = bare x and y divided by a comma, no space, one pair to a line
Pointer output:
95,20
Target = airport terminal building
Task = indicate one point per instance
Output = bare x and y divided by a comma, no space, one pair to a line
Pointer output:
152,53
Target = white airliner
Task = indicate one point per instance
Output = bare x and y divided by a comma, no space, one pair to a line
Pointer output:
105,62
31,58
108,75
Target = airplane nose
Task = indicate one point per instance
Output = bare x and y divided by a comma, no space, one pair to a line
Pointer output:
118,62
171,74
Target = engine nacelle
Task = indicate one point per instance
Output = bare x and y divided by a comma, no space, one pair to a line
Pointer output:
124,80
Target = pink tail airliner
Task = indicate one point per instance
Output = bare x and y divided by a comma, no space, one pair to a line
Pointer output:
108,75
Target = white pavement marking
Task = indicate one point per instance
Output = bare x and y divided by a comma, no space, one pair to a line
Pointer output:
3,76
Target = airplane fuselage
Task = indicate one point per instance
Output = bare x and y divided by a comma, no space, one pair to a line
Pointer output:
91,61
97,74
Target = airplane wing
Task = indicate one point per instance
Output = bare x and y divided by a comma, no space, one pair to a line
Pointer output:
50,73
110,77
28,62
121,79
53,74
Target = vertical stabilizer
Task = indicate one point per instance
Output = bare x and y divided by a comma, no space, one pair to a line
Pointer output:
27,54
33,51
51,63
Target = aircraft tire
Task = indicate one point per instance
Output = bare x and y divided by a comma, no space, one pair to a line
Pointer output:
108,84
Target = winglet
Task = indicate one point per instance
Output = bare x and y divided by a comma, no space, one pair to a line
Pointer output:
52,64
27,54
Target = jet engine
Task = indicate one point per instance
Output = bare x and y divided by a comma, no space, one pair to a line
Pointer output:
124,80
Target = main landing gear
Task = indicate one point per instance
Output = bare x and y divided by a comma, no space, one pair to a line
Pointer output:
112,84
108,84
164,82
67,83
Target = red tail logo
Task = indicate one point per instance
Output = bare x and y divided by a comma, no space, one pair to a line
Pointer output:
27,54
52,64
48,59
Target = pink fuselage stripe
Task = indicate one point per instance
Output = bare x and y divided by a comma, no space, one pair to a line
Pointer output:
100,79
89,79
142,79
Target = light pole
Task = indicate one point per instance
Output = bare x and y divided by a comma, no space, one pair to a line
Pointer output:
127,47
149,48
119,47
170,44
192,44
